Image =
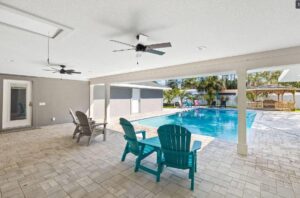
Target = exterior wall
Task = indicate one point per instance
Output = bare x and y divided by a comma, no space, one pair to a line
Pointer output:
151,105
59,96
120,101
151,100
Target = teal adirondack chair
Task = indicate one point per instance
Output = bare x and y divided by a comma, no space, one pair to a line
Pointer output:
133,145
175,145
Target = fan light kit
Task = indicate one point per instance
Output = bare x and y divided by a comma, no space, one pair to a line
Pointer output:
141,47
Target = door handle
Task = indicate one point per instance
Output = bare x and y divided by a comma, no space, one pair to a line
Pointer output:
30,104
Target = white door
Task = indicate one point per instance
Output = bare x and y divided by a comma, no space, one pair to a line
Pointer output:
16,104
135,101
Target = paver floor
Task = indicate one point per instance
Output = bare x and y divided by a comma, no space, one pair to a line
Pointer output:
47,162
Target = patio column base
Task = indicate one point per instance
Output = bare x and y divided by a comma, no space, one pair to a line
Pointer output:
242,149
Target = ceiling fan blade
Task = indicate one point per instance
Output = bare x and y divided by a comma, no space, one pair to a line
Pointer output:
122,43
49,69
75,72
159,45
72,71
152,51
122,50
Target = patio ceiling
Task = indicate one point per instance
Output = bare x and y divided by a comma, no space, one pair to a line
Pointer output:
227,28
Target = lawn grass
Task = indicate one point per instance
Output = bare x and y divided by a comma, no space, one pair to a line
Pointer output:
169,106
297,110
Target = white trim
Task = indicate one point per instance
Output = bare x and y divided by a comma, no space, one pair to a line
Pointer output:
6,122
139,86
286,56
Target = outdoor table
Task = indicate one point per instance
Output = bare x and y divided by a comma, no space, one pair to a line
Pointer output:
155,143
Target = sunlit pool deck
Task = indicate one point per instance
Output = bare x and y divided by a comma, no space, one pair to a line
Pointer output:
47,162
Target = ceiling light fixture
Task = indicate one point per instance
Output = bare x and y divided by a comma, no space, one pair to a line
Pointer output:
24,21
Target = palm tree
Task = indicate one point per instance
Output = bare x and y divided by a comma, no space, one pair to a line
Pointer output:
170,95
181,95
212,85
190,83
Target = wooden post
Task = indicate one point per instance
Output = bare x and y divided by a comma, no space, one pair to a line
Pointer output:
294,97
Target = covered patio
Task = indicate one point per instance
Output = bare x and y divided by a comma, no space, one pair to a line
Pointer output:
56,54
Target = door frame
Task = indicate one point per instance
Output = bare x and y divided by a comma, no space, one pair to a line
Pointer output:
138,99
6,122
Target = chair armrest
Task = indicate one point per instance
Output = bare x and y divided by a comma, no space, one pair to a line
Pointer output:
99,124
196,145
141,132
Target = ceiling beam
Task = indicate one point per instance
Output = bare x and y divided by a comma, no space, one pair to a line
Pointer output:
277,57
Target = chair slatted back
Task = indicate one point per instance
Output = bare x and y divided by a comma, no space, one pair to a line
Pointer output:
75,120
130,136
84,123
175,143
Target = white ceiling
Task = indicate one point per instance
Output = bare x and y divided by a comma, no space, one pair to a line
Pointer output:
226,28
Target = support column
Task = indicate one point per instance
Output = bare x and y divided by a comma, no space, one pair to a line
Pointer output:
91,111
242,147
106,107
107,103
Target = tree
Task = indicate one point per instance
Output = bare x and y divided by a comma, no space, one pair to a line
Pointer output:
190,83
170,95
211,85
182,94
230,84
173,83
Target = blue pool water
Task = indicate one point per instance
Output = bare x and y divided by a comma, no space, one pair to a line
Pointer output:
219,123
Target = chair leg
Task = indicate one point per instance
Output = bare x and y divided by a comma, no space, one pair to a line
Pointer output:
104,132
125,153
90,140
76,131
195,161
137,164
79,136
191,173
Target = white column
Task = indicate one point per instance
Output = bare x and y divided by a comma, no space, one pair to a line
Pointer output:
91,111
107,102
242,147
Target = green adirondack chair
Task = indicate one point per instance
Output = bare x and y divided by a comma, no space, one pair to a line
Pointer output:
175,145
133,145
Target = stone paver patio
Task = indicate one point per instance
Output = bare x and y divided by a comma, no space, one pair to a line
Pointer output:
47,162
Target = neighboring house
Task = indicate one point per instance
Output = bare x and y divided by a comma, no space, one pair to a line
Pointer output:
127,99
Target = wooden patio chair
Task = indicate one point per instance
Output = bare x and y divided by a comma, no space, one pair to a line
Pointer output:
175,145
88,128
76,123
132,145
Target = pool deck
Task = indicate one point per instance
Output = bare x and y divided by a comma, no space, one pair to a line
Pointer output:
47,162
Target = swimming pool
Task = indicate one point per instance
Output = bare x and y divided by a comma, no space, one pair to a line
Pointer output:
219,123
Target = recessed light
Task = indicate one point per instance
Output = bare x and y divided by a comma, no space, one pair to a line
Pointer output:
201,48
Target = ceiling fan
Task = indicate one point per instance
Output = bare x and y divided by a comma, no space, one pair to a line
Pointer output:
141,47
60,70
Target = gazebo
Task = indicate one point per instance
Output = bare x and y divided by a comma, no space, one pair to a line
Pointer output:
269,104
